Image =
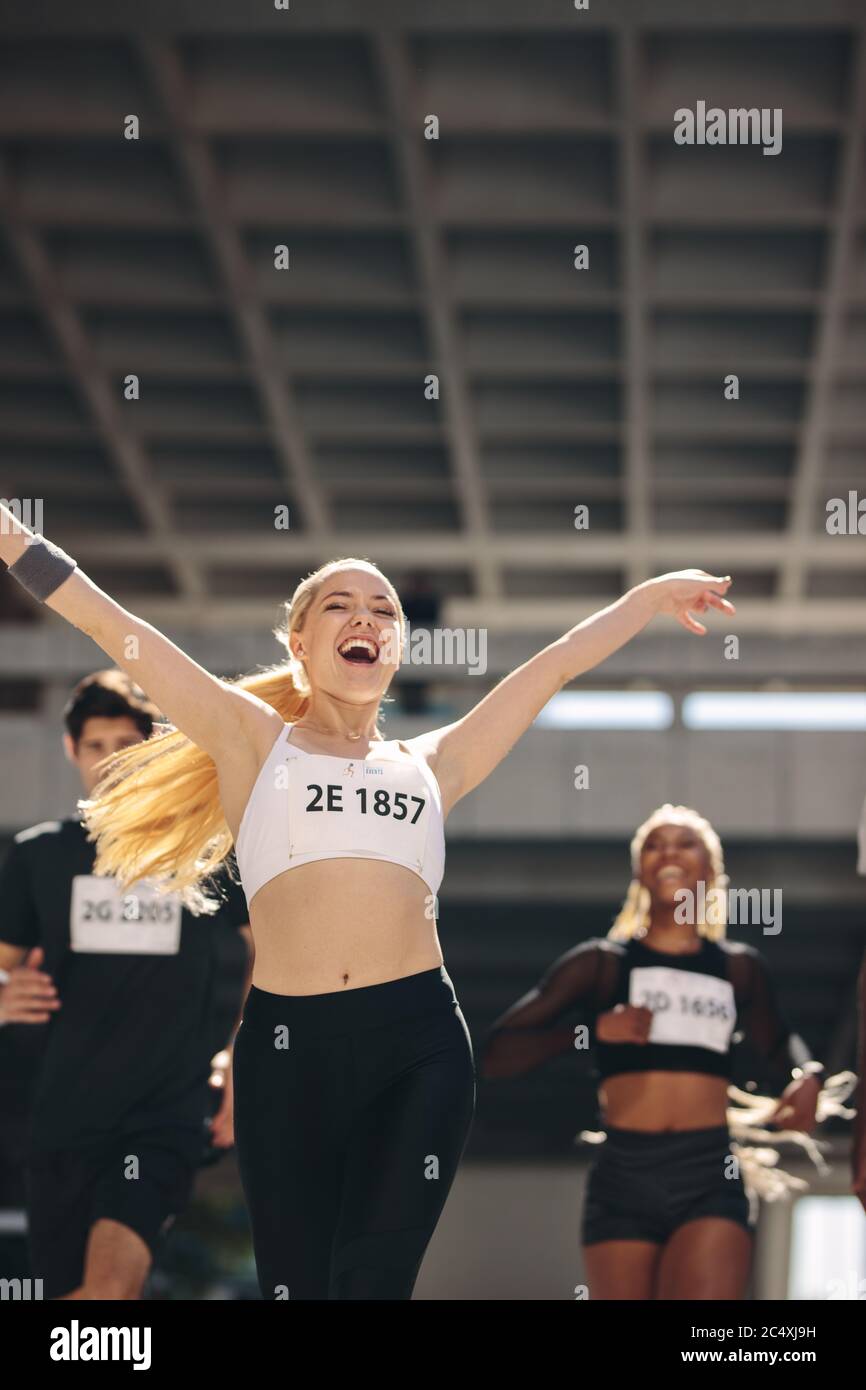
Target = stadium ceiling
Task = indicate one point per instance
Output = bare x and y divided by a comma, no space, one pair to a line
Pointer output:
304,387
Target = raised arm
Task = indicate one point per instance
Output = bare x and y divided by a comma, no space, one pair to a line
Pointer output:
213,715
464,753
528,1033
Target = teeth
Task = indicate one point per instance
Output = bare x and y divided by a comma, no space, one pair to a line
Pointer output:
364,643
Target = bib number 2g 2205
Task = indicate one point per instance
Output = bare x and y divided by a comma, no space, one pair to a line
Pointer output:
379,803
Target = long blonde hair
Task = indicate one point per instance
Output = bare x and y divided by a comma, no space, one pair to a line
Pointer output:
156,813
633,918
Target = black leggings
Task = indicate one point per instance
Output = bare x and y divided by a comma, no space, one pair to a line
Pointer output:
352,1110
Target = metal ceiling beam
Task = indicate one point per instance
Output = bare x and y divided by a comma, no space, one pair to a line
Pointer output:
101,396
202,371
509,615
63,123
559,490
519,550
53,650
632,258
711,217
754,615
504,298
224,241
328,17
840,281
392,56
543,550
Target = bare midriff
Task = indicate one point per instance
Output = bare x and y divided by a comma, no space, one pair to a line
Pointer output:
664,1100
340,924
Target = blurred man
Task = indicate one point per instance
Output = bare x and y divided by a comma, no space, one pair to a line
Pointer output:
123,987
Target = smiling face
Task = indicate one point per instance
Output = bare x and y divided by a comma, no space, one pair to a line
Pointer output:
349,639
673,857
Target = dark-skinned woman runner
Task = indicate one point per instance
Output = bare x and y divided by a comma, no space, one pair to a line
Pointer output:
668,1214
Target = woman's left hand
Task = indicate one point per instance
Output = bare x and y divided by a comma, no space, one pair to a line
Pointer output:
688,591
797,1106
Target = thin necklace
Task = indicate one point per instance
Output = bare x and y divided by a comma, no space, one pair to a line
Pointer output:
334,733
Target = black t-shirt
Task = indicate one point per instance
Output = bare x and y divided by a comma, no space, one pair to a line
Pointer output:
130,1047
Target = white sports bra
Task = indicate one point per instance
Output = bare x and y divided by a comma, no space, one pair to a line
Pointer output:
309,806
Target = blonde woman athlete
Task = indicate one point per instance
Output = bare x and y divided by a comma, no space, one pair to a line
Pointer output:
354,1076
666,1213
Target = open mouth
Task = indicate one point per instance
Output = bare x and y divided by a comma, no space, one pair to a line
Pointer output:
360,651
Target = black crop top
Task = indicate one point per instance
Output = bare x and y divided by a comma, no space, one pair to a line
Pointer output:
701,1003
694,1011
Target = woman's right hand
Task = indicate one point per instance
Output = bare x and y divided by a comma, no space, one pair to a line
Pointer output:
627,1023
30,996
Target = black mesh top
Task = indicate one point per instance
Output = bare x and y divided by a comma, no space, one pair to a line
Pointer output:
701,1003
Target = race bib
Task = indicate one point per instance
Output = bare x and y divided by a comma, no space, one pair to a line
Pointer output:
138,922
379,808
690,1009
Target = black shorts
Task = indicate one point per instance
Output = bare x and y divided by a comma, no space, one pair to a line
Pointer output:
68,1191
644,1185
